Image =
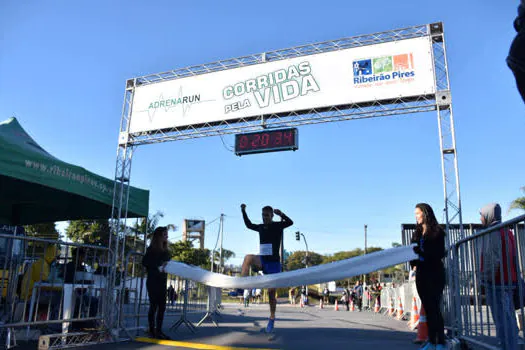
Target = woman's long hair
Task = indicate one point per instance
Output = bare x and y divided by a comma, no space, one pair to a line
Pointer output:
158,243
429,219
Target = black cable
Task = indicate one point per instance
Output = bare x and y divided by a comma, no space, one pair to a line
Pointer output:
211,222
229,148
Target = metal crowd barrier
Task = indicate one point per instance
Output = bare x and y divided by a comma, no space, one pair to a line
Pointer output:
49,287
487,291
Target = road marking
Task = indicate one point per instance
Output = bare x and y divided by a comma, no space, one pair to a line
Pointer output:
189,345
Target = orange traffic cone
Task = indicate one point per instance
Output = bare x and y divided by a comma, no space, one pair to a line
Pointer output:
391,310
302,302
321,304
376,306
352,306
400,311
394,308
422,328
336,307
414,315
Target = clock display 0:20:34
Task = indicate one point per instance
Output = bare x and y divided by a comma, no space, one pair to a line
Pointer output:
267,139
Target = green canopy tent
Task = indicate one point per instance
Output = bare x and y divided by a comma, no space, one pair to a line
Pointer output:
36,187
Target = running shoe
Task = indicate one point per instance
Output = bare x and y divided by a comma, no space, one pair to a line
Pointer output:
269,327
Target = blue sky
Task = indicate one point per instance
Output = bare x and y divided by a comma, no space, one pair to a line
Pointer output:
63,67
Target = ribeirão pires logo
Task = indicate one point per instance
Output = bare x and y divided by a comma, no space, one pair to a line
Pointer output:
385,69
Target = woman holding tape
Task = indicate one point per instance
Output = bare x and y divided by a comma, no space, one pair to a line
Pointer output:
155,260
430,272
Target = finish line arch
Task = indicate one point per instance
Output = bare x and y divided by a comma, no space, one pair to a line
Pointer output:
387,73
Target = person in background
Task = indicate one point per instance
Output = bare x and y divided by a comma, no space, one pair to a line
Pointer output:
345,300
304,297
412,274
246,296
368,292
430,272
155,260
378,293
39,271
497,254
326,296
171,294
358,295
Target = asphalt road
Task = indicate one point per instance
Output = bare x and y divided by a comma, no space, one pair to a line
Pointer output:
296,328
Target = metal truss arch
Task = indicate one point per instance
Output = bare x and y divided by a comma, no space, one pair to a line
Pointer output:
441,102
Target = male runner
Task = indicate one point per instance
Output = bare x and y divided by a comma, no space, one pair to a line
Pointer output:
268,260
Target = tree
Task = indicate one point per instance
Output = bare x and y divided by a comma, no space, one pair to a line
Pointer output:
297,260
371,250
149,224
348,255
226,255
395,245
183,251
286,255
46,231
89,231
342,255
518,203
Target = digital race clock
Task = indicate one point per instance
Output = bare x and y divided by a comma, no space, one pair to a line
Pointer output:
267,141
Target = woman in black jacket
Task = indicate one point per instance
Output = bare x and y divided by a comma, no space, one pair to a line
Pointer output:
155,259
430,272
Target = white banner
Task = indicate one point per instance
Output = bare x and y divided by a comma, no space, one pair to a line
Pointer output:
368,73
313,275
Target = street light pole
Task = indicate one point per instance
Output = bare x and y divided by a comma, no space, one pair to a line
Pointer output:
306,243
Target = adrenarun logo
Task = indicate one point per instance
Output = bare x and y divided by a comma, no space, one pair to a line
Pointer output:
173,102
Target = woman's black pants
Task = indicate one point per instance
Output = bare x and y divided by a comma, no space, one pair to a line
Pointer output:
430,285
157,303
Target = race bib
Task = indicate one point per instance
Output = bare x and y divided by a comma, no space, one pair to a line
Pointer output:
265,249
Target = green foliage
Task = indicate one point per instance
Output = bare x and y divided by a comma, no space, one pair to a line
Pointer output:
226,255
518,203
184,252
46,230
89,231
348,254
150,224
286,256
297,260
43,231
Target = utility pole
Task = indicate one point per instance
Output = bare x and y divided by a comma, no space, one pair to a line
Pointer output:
364,276
366,226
